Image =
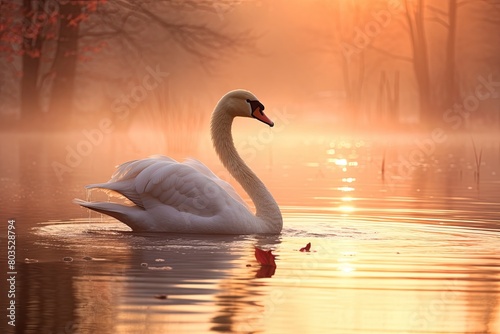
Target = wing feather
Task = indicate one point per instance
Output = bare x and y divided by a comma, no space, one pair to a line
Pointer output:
202,168
186,189
190,189
131,169
143,179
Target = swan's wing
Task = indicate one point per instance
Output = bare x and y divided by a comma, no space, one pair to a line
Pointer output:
130,170
188,187
177,189
123,179
173,197
202,168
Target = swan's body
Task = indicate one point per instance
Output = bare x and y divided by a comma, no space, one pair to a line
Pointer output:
187,197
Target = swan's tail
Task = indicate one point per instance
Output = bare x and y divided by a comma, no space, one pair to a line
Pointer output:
123,188
130,215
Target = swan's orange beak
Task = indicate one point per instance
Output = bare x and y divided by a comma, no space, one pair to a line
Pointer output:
257,113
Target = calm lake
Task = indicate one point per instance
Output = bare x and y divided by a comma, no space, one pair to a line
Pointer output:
404,233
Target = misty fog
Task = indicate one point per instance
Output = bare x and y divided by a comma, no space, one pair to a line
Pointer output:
373,65
380,157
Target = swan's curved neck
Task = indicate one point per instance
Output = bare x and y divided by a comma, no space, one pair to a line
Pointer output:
266,207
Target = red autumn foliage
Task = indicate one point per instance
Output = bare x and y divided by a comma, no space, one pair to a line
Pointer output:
265,258
307,248
38,23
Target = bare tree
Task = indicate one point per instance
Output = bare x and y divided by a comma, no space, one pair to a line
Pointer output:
182,21
65,59
442,87
32,37
416,26
388,98
348,43
362,40
54,36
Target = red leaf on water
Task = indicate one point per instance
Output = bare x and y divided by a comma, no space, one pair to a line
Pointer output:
265,258
307,248
265,271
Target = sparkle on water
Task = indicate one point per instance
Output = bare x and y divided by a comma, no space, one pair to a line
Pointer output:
411,247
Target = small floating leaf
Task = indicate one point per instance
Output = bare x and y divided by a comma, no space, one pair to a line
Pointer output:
307,248
161,296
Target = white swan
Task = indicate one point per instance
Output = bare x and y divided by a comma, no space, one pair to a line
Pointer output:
187,197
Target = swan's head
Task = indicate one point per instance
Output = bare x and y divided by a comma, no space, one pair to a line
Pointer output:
242,103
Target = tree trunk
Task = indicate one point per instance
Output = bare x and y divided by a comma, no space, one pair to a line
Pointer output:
381,115
65,62
32,45
30,97
451,87
421,61
353,70
393,99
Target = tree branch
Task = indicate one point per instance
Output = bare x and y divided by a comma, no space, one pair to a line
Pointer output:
132,17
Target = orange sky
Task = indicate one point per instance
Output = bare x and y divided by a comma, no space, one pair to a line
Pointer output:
295,60
286,65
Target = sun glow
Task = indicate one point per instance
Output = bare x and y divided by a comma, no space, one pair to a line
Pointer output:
345,189
345,264
347,208
338,162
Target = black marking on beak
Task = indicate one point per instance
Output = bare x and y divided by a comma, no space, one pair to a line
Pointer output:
254,104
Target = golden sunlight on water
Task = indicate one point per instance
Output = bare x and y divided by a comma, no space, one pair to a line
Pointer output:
390,253
359,277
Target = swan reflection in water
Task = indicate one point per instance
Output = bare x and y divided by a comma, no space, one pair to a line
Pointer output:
187,197
137,282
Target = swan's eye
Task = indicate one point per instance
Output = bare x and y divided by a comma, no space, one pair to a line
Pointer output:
254,104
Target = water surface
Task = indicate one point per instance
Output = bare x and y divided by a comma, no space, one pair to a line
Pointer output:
394,250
